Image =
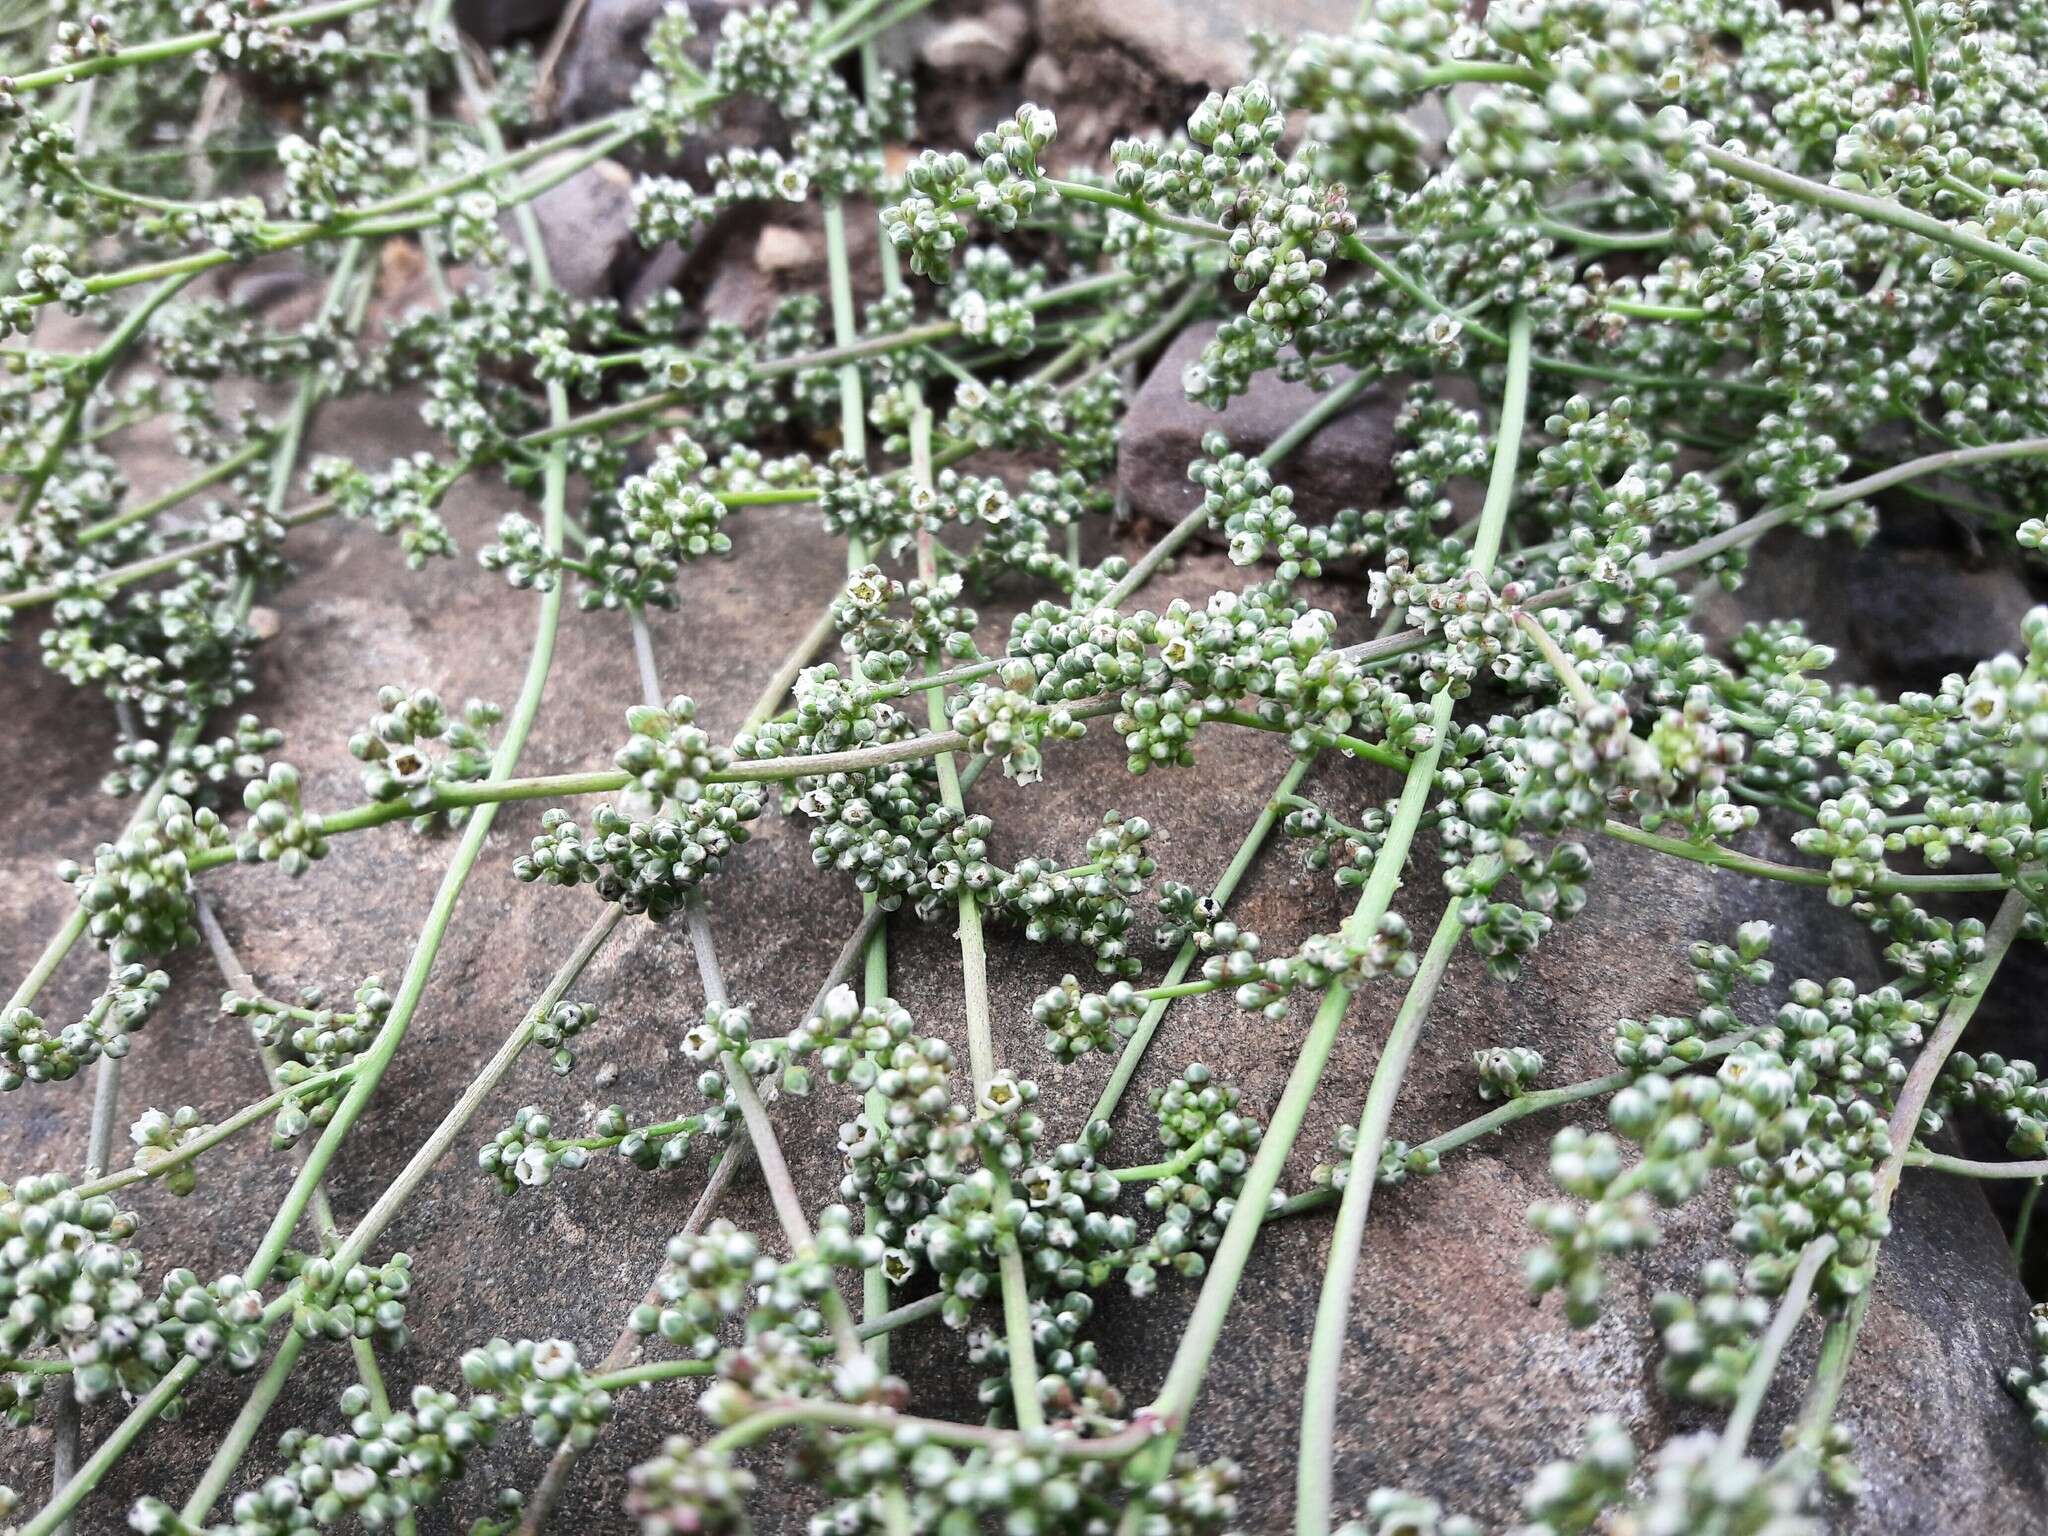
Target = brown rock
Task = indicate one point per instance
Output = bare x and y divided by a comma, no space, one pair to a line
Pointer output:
1452,1384
1346,464
781,250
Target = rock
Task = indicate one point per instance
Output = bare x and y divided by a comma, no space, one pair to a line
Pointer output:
783,249
492,22
586,224
608,51
1912,607
1196,46
1919,614
986,46
267,283
740,295
1346,464
656,277
1452,1384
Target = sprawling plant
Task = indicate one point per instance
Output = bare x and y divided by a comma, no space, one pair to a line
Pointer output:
1699,257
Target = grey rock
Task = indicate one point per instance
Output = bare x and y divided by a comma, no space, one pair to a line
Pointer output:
659,274
264,287
586,223
1346,464
1912,607
1205,45
1919,614
608,51
491,22
1452,1384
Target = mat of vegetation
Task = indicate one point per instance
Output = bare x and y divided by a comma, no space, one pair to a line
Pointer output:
932,768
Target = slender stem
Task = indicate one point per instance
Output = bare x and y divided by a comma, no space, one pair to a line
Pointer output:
1183,961
981,1055
145,510
1150,1173
839,277
242,1433
173,47
480,1087
1642,309
910,1312
1102,197
653,1371
1226,1267
1792,874
1315,1465
1877,210
80,384
1920,1157
2022,1227
1756,1381
187,1150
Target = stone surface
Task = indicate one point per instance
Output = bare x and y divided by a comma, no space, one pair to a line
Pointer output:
1452,1384
1202,46
586,223
781,250
1919,614
607,51
1921,601
1347,464
494,21
985,46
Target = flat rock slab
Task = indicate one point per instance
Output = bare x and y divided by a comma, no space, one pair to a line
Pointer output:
1453,1385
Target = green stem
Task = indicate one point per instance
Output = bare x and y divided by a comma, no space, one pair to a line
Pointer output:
1792,874
1920,1157
981,1055
172,48
1226,886
1640,309
2024,1225
1315,1464
1917,37
143,511
79,385
1877,210
1756,1381
240,1120
242,1433
653,1371
1151,1173
480,1087
1226,1267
